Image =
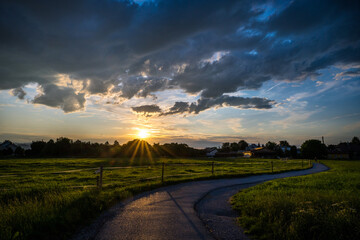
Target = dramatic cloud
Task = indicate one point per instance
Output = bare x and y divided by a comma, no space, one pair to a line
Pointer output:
223,101
147,109
178,108
140,86
240,102
61,97
18,92
201,46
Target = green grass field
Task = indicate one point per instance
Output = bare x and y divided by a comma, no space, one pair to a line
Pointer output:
51,198
320,206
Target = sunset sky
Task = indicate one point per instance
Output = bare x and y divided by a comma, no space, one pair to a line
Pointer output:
200,72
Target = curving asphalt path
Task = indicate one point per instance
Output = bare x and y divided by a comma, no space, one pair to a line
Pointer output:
169,212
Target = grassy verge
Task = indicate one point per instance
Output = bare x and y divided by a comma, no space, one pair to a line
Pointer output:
321,206
42,199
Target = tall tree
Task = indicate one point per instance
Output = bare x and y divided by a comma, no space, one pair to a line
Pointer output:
284,143
271,145
313,149
243,145
225,147
293,152
37,148
234,147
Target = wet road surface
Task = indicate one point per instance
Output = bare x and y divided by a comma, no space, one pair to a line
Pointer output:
169,212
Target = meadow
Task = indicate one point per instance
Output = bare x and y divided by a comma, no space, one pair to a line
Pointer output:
320,206
51,198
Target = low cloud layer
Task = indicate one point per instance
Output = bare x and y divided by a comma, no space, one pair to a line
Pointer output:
206,103
127,50
223,101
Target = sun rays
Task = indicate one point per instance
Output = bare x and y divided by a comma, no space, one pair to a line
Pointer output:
140,149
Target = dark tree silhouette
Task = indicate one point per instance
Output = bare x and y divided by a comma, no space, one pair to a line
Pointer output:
271,145
37,148
313,149
293,152
243,145
284,143
355,140
7,152
19,151
234,147
49,148
225,147
63,146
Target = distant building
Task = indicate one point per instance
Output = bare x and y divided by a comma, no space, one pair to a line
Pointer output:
263,153
260,152
284,149
344,151
338,155
211,152
8,145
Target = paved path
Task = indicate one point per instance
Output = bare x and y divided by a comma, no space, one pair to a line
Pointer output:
168,212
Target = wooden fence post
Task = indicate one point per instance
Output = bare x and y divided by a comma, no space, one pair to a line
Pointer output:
302,163
212,168
162,172
309,163
272,167
101,177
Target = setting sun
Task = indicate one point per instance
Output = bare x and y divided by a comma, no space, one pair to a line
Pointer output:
143,133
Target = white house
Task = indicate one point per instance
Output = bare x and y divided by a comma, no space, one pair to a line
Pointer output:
210,152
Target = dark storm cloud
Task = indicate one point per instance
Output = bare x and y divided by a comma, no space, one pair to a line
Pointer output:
18,92
224,76
165,22
136,50
61,97
147,109
178,108
207,103
232,101
140,86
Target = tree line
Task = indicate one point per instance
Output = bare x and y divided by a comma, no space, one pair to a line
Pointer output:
65,147
311,148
